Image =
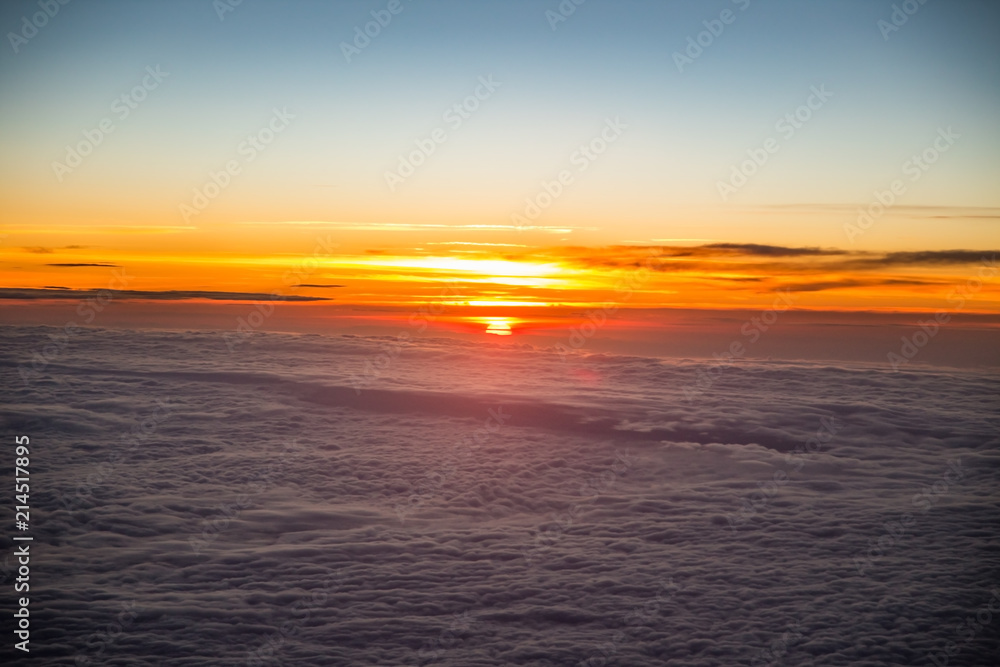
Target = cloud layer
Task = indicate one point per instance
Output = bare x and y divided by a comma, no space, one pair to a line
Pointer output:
313,500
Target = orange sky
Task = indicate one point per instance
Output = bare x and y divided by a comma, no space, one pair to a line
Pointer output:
186,160
399,266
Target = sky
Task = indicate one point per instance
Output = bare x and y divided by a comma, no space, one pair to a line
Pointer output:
501,154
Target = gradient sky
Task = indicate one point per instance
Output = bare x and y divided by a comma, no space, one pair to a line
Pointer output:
323,177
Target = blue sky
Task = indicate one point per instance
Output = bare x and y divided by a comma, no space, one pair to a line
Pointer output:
608,59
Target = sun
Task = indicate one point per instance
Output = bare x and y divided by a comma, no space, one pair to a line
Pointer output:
498,326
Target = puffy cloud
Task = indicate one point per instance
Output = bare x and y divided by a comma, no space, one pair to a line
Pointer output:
406,525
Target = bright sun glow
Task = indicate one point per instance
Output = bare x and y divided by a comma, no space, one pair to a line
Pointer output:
484,267
498,326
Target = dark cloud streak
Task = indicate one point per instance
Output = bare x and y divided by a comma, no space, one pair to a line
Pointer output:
169,295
